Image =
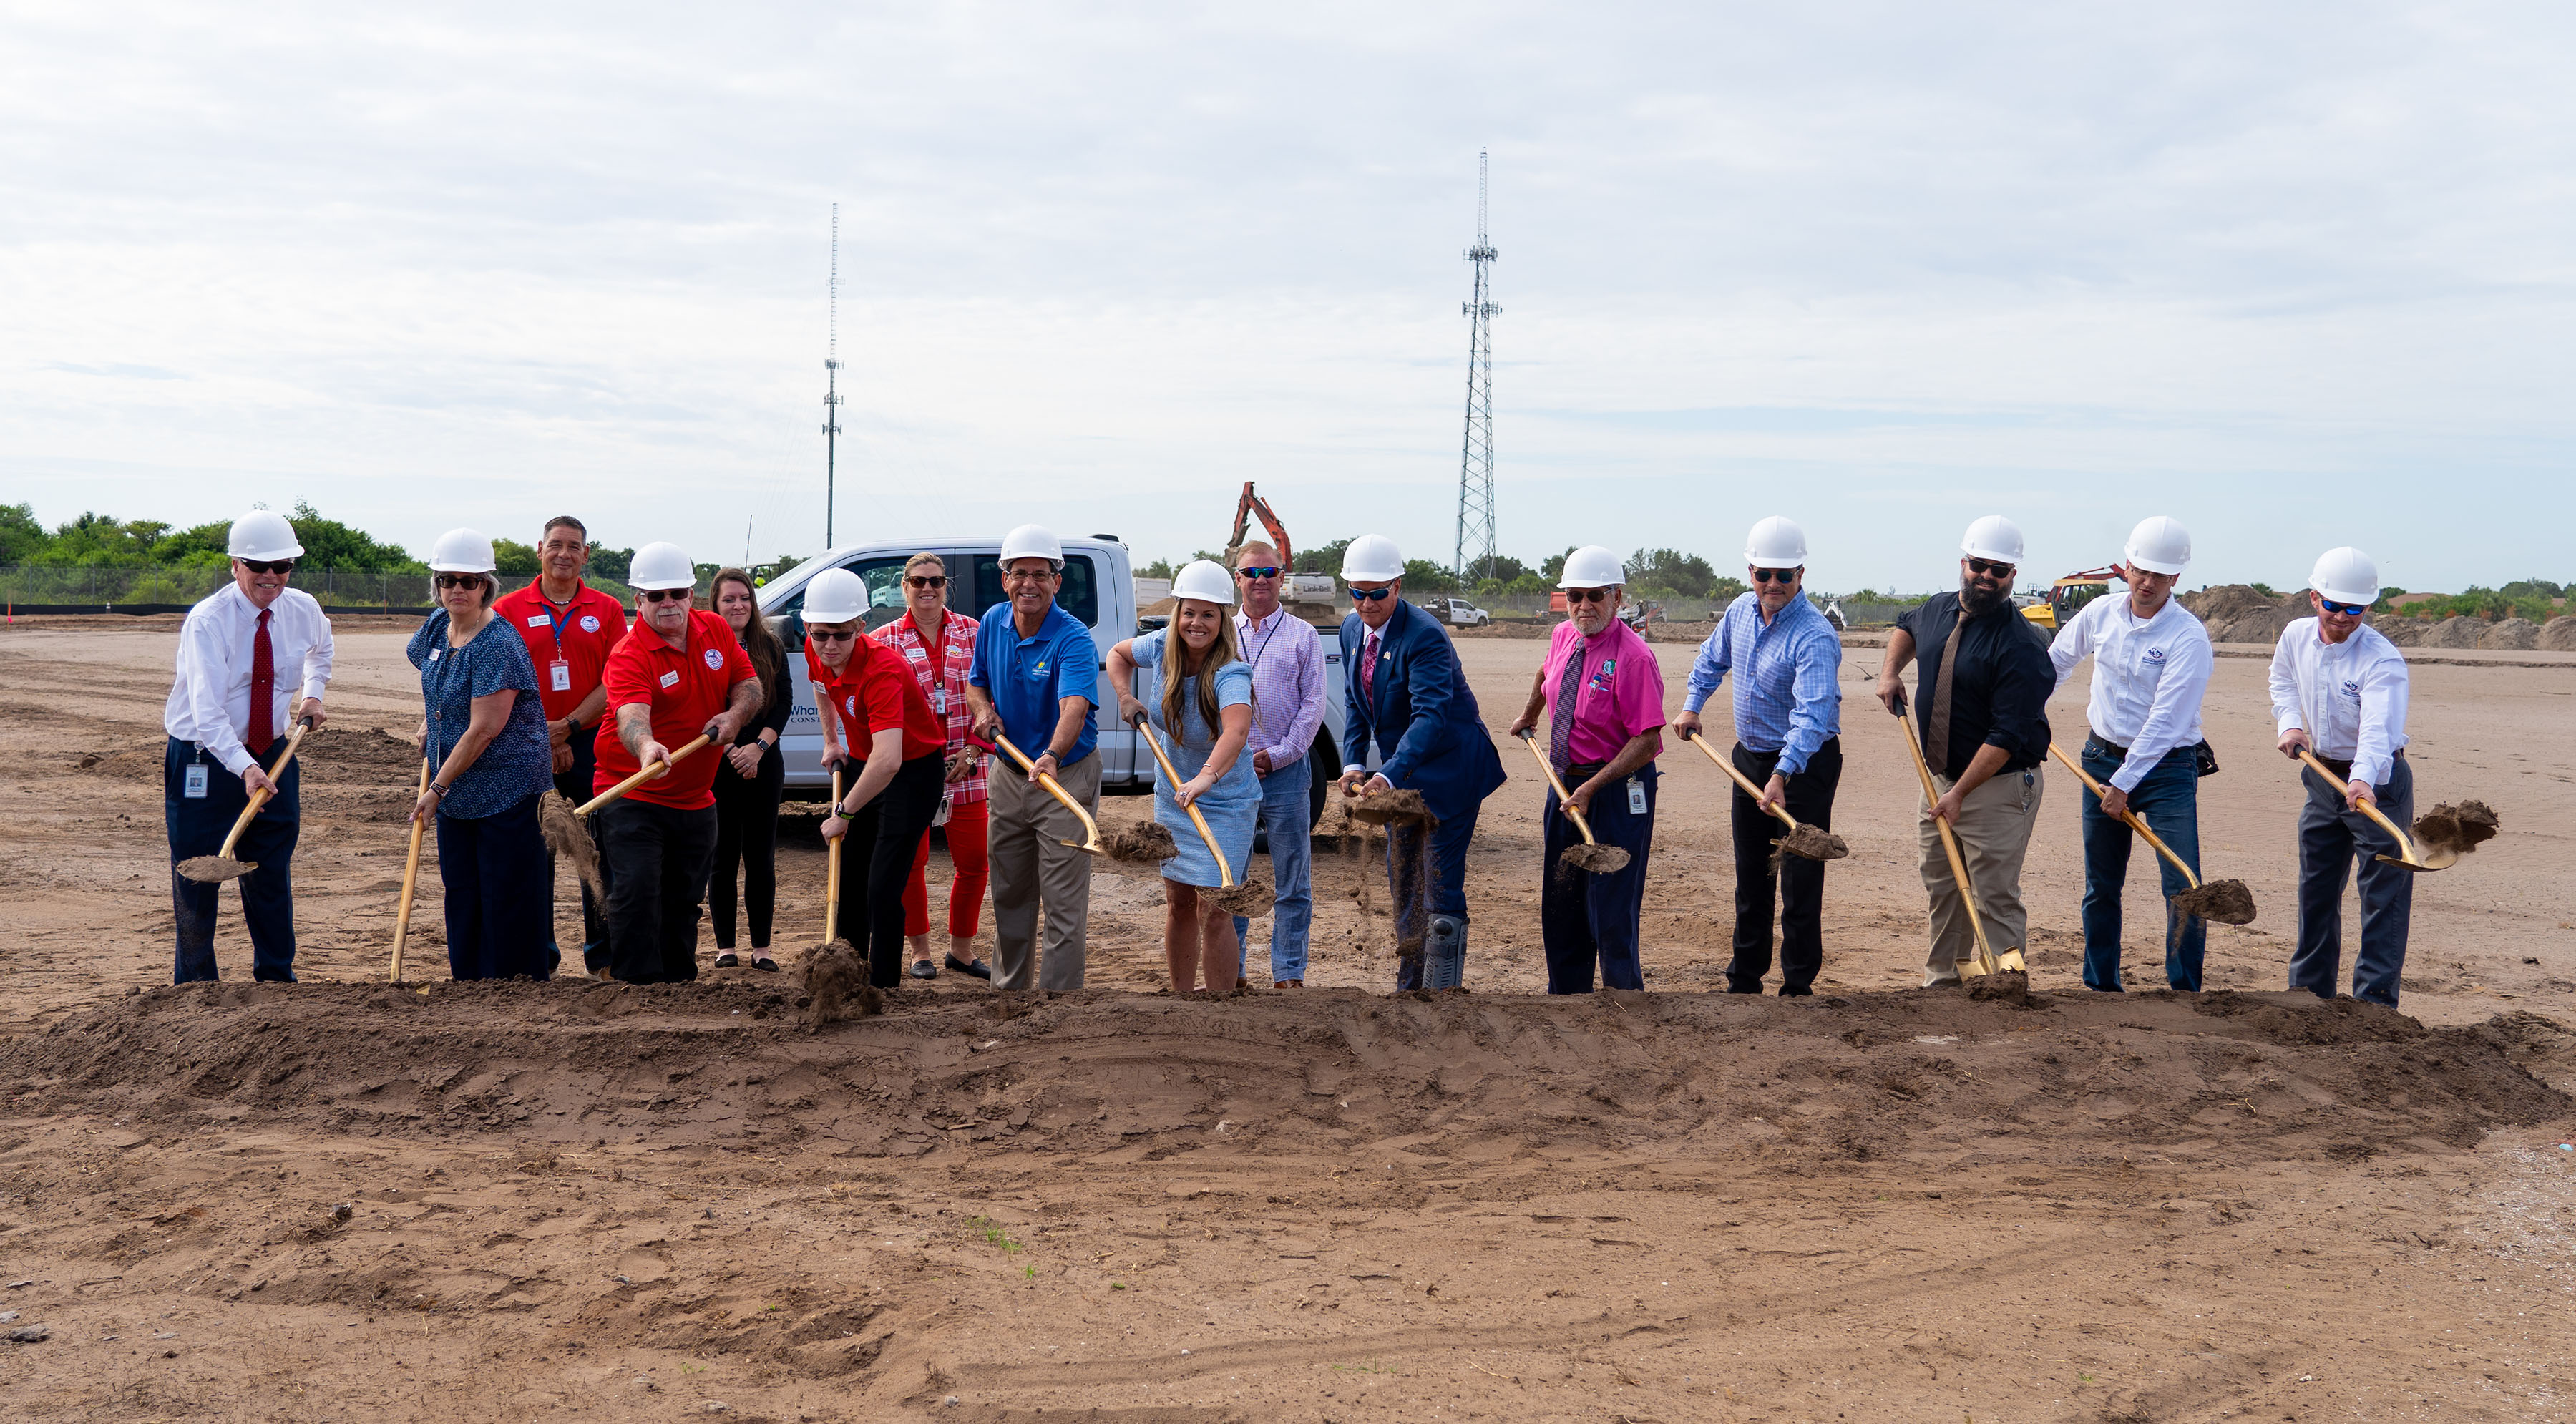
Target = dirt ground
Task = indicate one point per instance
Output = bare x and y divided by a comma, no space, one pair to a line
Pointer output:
344,1200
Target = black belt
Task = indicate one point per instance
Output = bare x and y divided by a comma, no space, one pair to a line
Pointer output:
2109,749
2343,765
1583,771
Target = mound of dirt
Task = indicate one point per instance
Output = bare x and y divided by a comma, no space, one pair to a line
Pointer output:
1145,843
2461,828
2513,635
2401,632
2227,603
2228,902
2558,635
333,755
2454,633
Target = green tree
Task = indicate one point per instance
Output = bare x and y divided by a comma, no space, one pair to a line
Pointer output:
1552,567
1322,558
1528,585
1726,589
1500,569
21,537
202,546
509,556
610,564
1159,569
103,539
1688,575
1424,576
330,544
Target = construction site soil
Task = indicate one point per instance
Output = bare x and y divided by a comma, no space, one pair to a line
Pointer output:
352,1200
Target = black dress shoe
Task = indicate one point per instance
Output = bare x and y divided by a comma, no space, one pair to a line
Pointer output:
979,968
924,969
1795,991
726,960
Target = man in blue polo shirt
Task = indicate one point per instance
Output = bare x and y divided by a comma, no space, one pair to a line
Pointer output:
1032,682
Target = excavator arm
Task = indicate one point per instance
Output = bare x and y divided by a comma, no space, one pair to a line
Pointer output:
1252,506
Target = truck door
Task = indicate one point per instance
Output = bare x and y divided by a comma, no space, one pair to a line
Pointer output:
1081,595
801,745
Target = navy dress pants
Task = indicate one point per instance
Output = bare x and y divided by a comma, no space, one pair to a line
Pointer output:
2332,839
661,858
1447,869
495,869
1586,919
197,826
2168,800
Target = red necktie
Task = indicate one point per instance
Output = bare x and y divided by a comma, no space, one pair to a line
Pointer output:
1368,670
263,692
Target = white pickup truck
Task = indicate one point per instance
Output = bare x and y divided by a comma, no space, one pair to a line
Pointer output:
1456,612
1098,588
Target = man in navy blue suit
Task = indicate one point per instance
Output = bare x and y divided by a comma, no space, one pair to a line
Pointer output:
1403,689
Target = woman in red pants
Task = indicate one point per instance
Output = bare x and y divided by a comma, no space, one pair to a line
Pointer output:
938,645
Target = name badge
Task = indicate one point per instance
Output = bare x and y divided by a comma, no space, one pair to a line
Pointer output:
939,699
193,785
540,621
559,675
670,679
1636,797
434,652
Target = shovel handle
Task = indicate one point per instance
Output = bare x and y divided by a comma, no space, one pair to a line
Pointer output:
650,773
1224,872
1090,828
1950,844
832,867
2405,844
260,797
1564,802
411,877
1727,765
2136,822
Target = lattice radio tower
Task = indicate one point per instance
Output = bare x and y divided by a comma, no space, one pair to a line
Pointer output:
1476,454
832,377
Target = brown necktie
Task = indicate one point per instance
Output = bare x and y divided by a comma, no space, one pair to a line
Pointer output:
1936,742
260,727
1569,686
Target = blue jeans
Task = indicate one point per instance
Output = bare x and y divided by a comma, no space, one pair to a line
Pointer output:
197,826
1447,891
1288,814
2168,800
1586,919
2331,839
494,869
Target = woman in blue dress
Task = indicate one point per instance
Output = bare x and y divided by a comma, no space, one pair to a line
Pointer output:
1203,718
484,728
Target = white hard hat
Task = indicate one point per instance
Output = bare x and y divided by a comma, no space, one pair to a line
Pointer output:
1592,567
264,535
1993,537
835,596
2346,575
1205,580
1776,543
1032,541
461,551
2159,545
661,566
1372,558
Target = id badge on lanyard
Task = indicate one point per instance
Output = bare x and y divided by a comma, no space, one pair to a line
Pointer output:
193,785
559,674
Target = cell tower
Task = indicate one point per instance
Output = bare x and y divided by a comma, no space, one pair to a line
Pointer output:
1476,455
832,376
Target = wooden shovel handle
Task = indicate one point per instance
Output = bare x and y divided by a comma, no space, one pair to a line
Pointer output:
1727,765
1224,872
832,868
1090,827
260,797
2405,845
1564,802
411,877
650,773
1950,844
2136,822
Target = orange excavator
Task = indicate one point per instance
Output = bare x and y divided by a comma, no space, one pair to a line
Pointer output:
1306,596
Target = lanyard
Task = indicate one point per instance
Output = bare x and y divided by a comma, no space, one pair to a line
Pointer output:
553,621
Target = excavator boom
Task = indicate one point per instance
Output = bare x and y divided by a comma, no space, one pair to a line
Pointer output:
1246,510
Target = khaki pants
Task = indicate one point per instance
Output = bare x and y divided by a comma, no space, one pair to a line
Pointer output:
1994,827
1028,867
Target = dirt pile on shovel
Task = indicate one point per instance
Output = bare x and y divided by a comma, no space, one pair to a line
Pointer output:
1247,897
566,836
835,978
214,869
1811,842
2457,828
1591,859
1396,817
2226,901
1143,844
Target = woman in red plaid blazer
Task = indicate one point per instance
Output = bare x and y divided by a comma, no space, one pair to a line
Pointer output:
938,645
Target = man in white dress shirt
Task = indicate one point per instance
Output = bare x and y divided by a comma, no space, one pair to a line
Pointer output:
244,655
2339,691
2151,662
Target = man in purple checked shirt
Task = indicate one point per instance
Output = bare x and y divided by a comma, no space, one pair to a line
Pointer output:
1287,658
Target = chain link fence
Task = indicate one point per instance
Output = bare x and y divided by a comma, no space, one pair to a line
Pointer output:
87,588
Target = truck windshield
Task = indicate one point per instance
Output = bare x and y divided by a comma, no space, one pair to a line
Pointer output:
1078,594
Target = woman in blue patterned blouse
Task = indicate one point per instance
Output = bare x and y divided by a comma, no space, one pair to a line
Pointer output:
486,730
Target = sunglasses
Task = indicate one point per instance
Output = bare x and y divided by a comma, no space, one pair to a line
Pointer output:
665,595
2352,609
827,635
926,580
269,566
1988,566
1370,595
1587,595
1013,576
1271,572
1775,575
460,580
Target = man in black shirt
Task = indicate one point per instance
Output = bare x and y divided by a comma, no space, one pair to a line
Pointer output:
1985,732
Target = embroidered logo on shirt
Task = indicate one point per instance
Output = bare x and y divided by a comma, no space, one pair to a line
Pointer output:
590,622
851,704
715,660
2352,689
2155,655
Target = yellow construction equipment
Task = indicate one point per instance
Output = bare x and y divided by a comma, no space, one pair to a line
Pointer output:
2070,594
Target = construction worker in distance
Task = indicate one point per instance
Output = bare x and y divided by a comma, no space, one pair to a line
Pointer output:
227,716
1286,655
2339,693
678,674
1404,693
569,628
1981,704
1033,680
1787,661
1604,698
2151,663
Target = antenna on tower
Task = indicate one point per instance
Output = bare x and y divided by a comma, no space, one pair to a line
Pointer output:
1476,455
831,378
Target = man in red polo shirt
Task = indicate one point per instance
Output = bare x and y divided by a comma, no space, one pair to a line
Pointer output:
680,674
874,712
569,628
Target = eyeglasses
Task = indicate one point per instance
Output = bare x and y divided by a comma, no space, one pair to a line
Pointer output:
833,635
269,566
1023,576
2350,609
460,580
1775,575
665,595
1989,566
926,580
1371,595
1270,572
1587,595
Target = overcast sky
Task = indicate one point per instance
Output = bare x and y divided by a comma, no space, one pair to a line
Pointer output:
2296,274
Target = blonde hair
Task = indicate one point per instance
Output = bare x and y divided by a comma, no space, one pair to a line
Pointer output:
925,557
1176,652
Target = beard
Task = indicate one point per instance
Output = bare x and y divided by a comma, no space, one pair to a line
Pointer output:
1976,600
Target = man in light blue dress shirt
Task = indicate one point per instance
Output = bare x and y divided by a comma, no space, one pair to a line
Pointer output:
1787,661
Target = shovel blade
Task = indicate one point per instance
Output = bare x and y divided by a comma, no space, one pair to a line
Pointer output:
2011,960
215,869
2436,861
